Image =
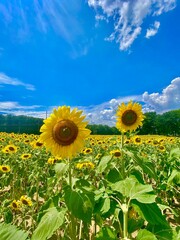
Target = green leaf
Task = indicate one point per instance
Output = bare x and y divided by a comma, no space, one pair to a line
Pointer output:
146,166
114,175
132,189
106,205
49,223
60,169
106,233
8,216
150,212
134,224
162,232
144,234
174,177
175,153
79,203
11,232
103,164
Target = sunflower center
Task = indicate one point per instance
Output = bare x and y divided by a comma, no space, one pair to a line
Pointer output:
129,117
11,149
24,202
14,205
65,132
117,154
4,168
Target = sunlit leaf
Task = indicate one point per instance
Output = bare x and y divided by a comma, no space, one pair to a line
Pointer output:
49,223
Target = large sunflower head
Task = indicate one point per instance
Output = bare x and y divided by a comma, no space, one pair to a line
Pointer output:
129,117
64,132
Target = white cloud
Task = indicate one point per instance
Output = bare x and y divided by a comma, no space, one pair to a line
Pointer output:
167,100
6,80
105,113
8,105
153,30
128,16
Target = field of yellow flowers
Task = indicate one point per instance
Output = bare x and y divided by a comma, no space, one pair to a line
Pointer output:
70,185
34,191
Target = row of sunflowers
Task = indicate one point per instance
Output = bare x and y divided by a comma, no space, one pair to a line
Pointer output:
68,184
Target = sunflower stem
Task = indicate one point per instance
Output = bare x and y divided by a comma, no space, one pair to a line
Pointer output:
72,226
122,161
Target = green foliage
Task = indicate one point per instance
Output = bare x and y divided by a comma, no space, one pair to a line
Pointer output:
106,233
11,232
80,203
132,189
49,223
144,234
20,124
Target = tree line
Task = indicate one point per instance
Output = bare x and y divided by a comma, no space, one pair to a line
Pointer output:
167,123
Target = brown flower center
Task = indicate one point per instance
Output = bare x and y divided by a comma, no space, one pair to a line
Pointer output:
65,132
24,201
129,117
14,205
11,149
4,168
138,140
117,154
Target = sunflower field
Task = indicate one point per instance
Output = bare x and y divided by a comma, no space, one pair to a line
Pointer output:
70,185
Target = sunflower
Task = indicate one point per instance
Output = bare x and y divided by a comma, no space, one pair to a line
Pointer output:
51,160
137,140
64,132
161,148
16,205
115,153
87,150
25,156
5,168
129,117
88,165
11,148
26,200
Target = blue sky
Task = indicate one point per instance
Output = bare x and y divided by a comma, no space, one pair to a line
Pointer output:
90,54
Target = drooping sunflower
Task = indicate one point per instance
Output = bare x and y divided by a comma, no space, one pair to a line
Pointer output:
25,200
88,165
129,117
64,132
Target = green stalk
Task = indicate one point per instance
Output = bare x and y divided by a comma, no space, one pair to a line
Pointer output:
72,219
122,160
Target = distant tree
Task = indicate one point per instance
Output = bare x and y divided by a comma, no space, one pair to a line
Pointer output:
165,124
149,124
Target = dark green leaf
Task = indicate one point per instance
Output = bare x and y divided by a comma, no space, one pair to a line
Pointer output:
150,212
79,204
106,233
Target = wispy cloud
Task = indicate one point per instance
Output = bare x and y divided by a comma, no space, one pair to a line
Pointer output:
8,105
6,80
128,16
46,16
153,30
